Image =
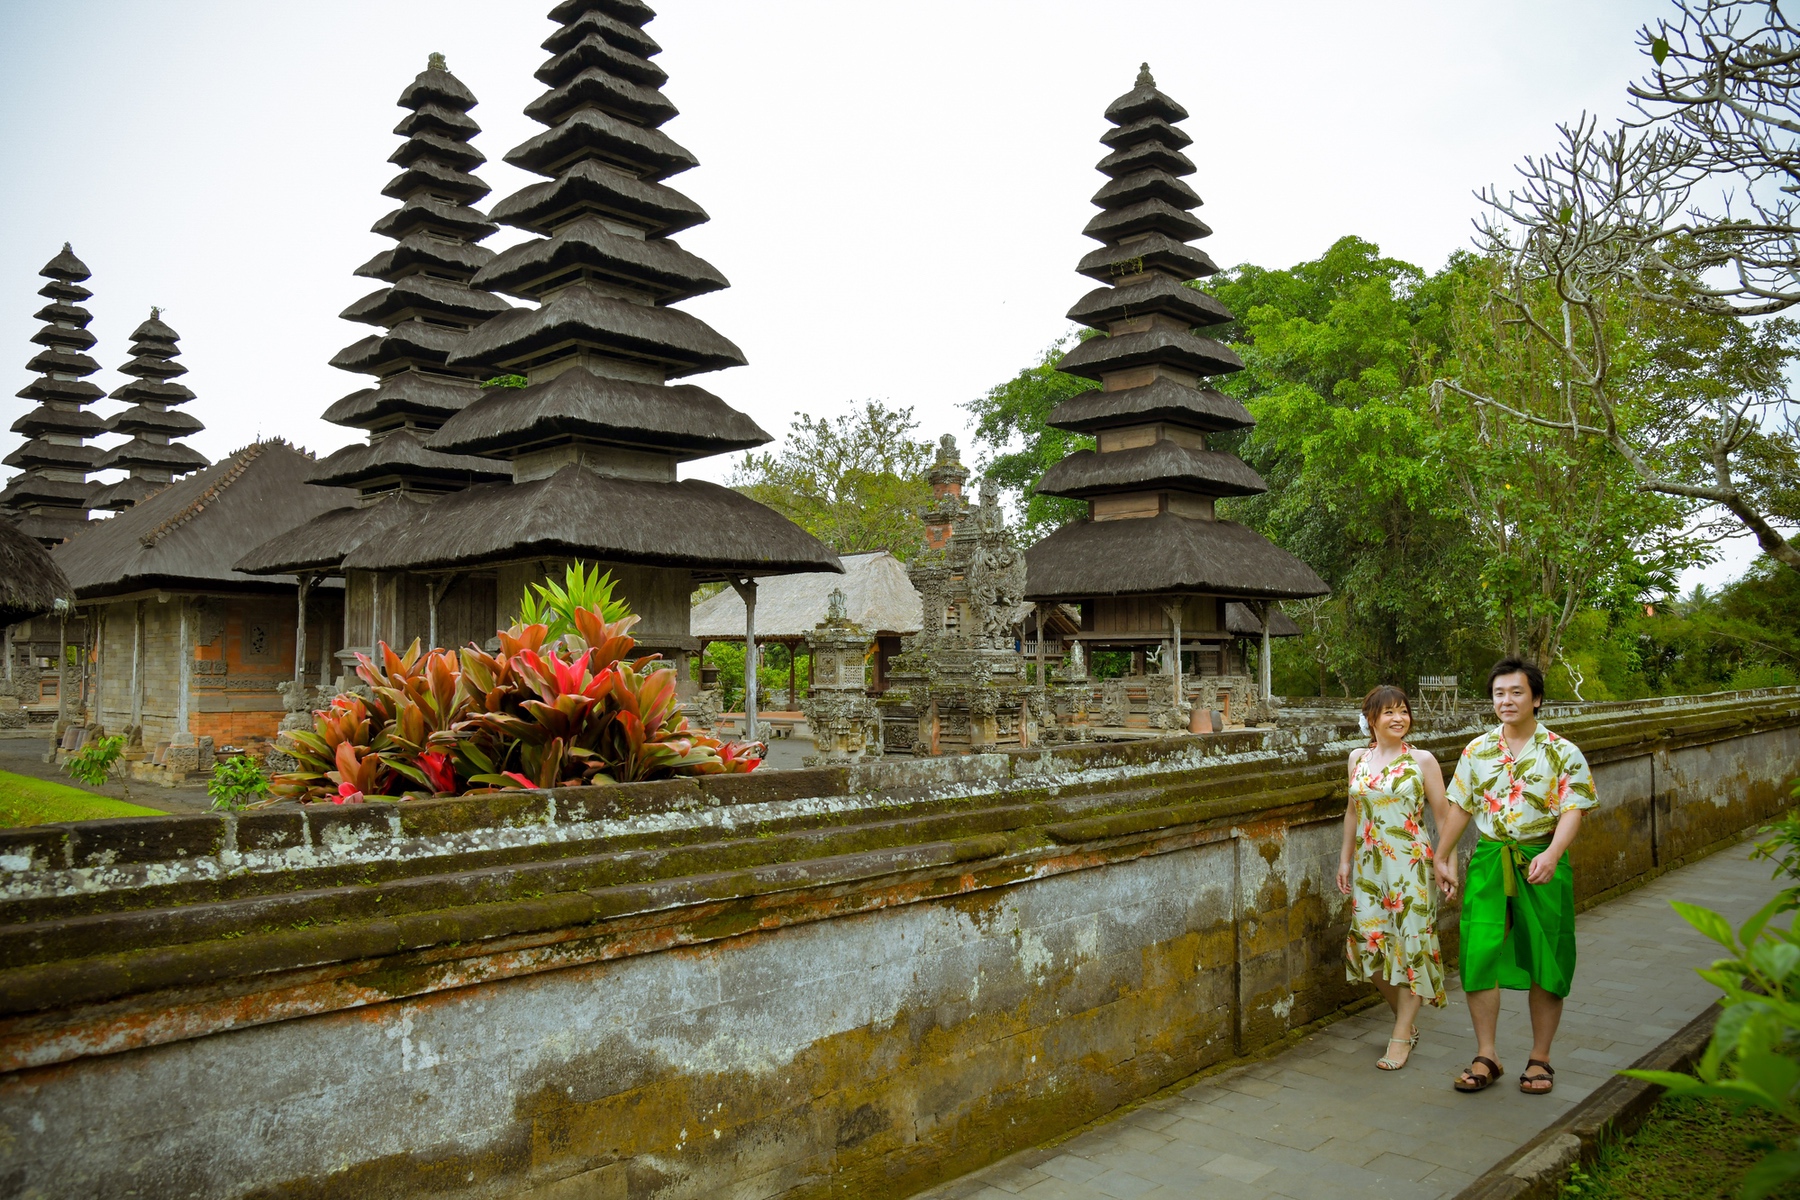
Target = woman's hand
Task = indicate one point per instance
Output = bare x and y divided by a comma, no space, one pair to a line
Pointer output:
1445,866
1343,876
1542,868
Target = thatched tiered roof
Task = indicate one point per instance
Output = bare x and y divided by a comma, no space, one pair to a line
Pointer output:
193,532
51,495
30,581
594,439
153,455
879,596
424,309
1151,480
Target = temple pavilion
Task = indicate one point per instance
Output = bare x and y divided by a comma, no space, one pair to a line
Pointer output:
591,442
423,309
1153,565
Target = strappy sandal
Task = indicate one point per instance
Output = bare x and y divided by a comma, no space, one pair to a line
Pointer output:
1471,1082
1548,1078
1386,1061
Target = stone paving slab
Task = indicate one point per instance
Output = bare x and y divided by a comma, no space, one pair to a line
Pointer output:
1320,1122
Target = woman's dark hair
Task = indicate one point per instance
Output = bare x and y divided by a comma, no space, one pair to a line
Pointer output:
1380,700
1519,666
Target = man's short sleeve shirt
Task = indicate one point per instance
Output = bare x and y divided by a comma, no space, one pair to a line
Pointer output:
1521,798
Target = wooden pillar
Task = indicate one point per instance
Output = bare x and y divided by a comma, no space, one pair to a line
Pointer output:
746,588
8,642
1174,614
435,591
304,585
793,698
1265,612
374,614
137,666
185,684
1042,681
62,656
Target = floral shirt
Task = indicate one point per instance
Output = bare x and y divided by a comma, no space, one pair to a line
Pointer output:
1521,798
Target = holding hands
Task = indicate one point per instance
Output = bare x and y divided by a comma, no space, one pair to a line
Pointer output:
1444,862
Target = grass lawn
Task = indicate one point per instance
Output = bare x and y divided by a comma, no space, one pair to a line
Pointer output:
1687,1150
27,801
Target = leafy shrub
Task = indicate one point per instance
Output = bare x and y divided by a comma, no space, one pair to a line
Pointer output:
95,762
236,783
1753,1059
560,704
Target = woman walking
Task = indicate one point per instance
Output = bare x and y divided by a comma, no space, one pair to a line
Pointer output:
1386,869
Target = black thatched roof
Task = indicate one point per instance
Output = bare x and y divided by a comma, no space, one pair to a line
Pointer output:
65,267
684,419
321,543
191,534
589,187
1239,619
125,493
30,581
1149,293
586,249
409,394
143,418
1158,252
142,454
50,508
1161,399
1164,554
150,455
1161,464
590,134
1096,357
1143,100
594,23
580,316
575,512
56,455
594,50
401,457
44,419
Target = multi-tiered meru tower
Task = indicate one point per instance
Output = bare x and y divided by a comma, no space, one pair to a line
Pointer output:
423,310
51,495
1152,565
593,439
153,456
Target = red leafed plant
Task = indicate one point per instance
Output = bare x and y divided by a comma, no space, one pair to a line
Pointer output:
561,703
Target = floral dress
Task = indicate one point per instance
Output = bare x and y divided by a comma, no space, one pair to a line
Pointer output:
1393,934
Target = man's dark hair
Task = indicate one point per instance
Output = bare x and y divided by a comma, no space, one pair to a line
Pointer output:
1516,666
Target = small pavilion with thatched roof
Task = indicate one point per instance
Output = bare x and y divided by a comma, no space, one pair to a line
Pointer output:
188,651
879,597
31,585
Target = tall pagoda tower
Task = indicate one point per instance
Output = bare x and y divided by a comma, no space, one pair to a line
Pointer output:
592,442
51,495
1152,564
423,309
153,456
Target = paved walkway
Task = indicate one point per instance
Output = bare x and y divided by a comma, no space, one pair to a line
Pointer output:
1319,1121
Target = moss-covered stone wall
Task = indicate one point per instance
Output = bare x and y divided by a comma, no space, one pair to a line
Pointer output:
809,983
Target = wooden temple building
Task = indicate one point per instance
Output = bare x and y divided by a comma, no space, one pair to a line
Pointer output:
186,652
1153,566
589,446
424,308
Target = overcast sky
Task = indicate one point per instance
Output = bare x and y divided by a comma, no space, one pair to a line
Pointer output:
897,189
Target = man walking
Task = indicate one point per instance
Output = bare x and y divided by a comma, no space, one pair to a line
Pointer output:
1526,788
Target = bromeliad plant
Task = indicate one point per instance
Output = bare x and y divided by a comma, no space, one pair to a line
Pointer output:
561,703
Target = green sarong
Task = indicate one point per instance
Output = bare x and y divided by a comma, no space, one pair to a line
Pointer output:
1516,933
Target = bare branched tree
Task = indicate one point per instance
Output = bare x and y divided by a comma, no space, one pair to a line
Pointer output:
1693,206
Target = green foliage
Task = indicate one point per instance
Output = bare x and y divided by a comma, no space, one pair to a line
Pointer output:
771,674
507,381
95,762
857,483
1337,356
237,782
1011,421
1753,1058
544,711
583,588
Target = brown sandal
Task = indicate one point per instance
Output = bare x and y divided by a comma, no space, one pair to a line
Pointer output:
1548,1078
1471,1082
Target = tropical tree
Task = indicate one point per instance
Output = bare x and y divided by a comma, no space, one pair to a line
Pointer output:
1011,423
856,481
